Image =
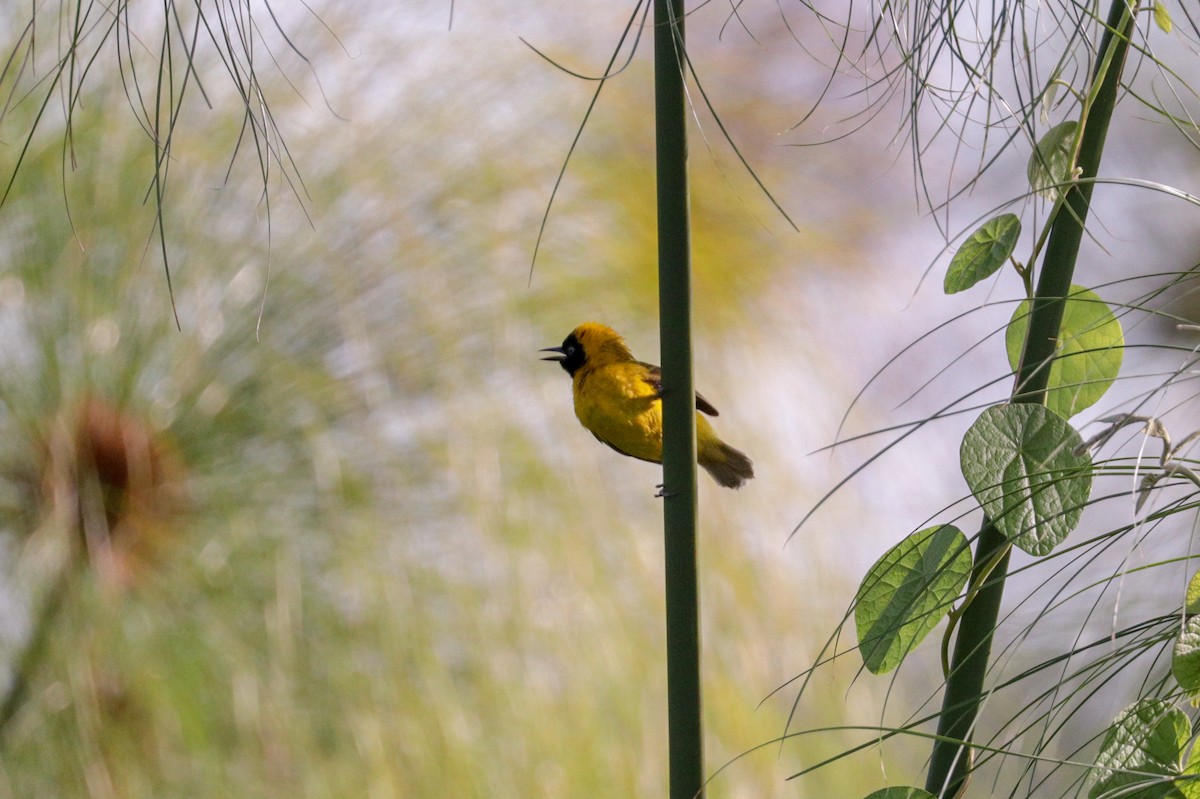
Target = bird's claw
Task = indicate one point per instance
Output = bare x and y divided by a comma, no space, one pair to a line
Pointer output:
663,492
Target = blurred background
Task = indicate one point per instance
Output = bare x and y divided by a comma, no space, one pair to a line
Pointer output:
339,532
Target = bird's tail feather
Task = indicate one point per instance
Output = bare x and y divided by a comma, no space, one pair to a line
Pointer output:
728,466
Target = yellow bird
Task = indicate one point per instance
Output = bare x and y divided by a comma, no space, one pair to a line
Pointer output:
619,400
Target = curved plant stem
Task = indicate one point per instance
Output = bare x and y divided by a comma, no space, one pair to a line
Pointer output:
950,763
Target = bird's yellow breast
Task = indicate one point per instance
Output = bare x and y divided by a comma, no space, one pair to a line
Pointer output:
620,407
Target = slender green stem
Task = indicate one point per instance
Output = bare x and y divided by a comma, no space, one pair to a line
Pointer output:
950,763
979,581
679,423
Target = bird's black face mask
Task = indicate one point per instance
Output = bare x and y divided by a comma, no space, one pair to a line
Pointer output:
570,355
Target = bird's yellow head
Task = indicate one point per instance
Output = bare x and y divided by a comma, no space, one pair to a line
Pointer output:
589,345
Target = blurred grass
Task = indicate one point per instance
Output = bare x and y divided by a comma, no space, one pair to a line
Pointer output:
402,569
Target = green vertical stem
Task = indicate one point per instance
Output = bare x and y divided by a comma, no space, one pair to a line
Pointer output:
951,761
679,422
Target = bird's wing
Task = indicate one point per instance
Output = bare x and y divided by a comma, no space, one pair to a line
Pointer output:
654,378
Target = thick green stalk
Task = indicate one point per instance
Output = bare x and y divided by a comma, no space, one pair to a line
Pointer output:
950,762
679,422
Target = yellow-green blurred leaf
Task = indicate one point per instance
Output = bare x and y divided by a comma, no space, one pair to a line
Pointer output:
1162,17
1050,163
1090,351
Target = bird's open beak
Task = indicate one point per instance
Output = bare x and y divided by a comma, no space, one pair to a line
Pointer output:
559,356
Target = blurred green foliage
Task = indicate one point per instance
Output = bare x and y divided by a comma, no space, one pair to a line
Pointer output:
399,567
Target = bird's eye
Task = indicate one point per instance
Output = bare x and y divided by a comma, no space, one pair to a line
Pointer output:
571,350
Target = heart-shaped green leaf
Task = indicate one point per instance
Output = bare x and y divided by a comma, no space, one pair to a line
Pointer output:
1019,462
1141,751
1090,350
983,253
1192,600
1050,163
907,592
1185,658
1189,787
